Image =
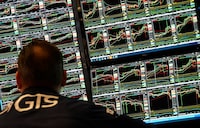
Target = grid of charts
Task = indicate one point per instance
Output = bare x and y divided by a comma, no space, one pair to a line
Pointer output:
51,20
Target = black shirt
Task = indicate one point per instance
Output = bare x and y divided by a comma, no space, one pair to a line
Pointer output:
44,108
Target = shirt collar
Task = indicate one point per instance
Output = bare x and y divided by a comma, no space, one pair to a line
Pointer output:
45,90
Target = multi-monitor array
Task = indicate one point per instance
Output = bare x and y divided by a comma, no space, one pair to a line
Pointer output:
135,68
51,20
117,28
157,85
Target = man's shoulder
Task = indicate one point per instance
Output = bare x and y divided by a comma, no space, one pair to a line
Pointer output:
7,108
74,102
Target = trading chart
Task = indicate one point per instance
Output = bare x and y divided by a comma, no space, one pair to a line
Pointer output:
146,88
116,29
51,20
151,88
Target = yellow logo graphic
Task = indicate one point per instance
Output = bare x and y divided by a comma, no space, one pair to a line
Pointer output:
38,101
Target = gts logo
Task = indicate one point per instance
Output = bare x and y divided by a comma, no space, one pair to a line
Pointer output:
36,101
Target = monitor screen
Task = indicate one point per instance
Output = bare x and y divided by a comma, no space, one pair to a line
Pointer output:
137,50
121,28
20,22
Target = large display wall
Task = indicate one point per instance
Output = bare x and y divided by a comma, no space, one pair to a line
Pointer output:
51,20
144,56
137,57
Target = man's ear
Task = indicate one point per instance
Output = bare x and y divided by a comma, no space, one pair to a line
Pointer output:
18,80
64,78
